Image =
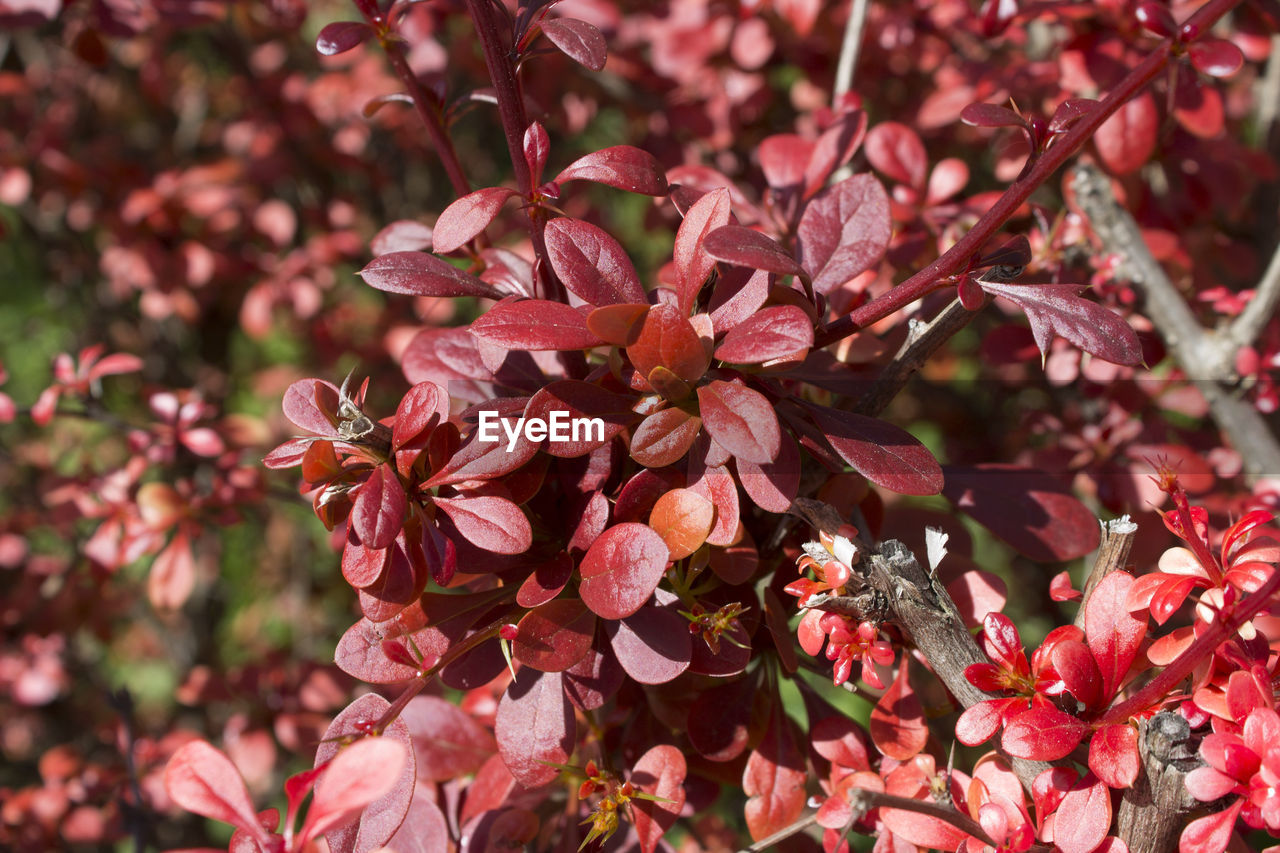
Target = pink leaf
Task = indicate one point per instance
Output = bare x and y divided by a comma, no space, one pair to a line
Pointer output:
1113,755
342,36
844,231
897,721
489,522
379,510
360,774
173,575
535,727
1043,734
896,150
736,244
580,41
467,217
534,324
1114,634
692,263
622,166
403,235
420,274
780,331
659,772
741,420
203,780
591,263
621,570
1126,139
881,452
1210,833
1082,820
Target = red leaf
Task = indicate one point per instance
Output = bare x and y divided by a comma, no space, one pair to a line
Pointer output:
741,420
1080,824
664,437
173,575
555,635
692,263
535,725
420,274
981,721
1113,755
842,742
881,452
1215,57
537,145
591,263
652,645
490,522
485,460
622,166
774,779
1057,309
736,244
669,340
577,399
897,721
1127,138
1114,634
619,325
422,409
466,217
659,772
990,115
301,406
783,157
403,235
203,780
834,148
621,570
683,519
379,510
1076,667
546,582
361,565
844,231
897,151
1026,508
1043,734
720,718
780,331
350,781
534,324
341,36
580,41
716,484
360,654
1211,833
773,486
425,828
737,295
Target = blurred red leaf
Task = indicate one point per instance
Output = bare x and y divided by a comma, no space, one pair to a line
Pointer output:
580,41
896,150
341,36
774,779
897,721
1127,138
203,780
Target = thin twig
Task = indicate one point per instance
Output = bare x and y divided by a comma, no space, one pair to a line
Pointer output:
1113,553
782,834
1246,328
924,340
850,48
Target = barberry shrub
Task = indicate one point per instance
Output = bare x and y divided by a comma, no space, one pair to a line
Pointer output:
746,373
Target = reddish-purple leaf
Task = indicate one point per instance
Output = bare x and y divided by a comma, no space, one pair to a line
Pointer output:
425,406
1156,19
580,41
203,780
468,216
593,680
774,485
352,781
1215,57
664,437
692,263
1069,112
1126,139
360,652
897,724
591,263
622,166
289,454
592,521
780,331
621,570
1026,508
844,231
535,728
741,420
720,718
379,509
990,115
534,324
302,407
546,582
774,779
425,828
1082,820
562,403
1113,755
783,158
362,565
1057,309
486,460
537,146
659,772
834,148
737,244
447,741
1043,734
1114,634
896,150
652,645
489,522
717,485
737,295
421,274
341,36
883,453
555,635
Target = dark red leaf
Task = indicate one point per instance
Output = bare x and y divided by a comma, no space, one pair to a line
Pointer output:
361,565
466,217
774,779
774,485
622,166
341,36
486,460
897,151
621,570
692,263
403,235
537,146
741,419
883,453
591,263
780,331
990,115
546,582
203,780
1026,508
1057,309
1069,112
1114,634
1113,755
593,680
664,437
1127,138
1215,57
593,519
535,727
379,509
1043,734
660,772
534,324
719,719
1156,19
420,274
652,645
736,244
580,41
897,721
577,400
737,295
1082,820
554,636
425,406
490,522
834,148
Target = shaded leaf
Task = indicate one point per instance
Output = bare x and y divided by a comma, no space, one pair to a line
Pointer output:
621,570
774,779
580,41
1057,309
535,725
736,244
554,636
652,645
660,772
1126,139
844,231
883,453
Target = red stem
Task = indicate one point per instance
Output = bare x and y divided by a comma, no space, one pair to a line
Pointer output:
1224,626
1049,162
